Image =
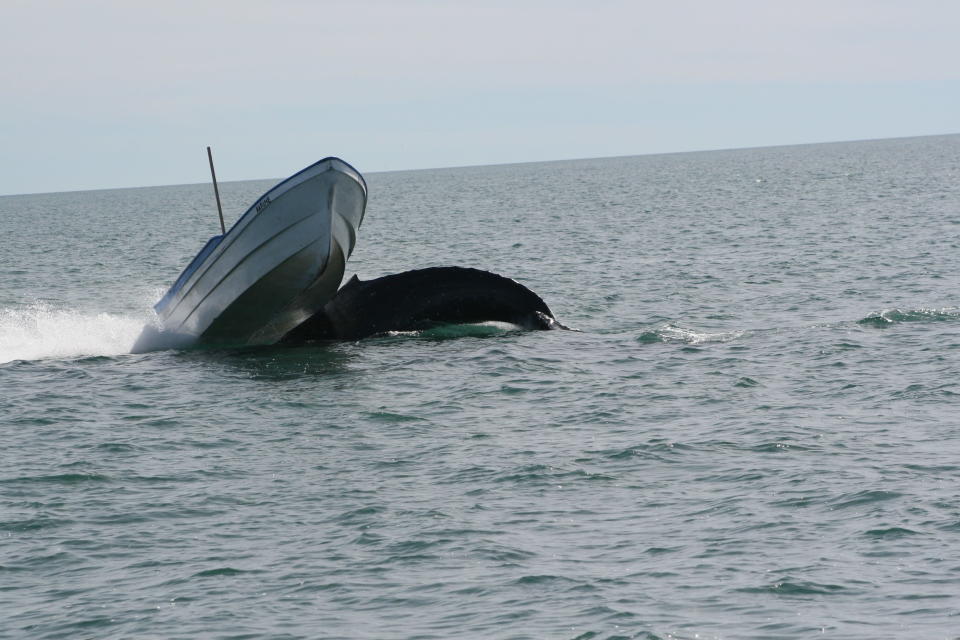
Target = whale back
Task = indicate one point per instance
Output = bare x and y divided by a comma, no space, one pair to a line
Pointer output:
423,298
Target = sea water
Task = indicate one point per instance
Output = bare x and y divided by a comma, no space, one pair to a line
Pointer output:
755,433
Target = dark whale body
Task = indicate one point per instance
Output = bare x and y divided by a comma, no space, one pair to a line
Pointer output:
420,299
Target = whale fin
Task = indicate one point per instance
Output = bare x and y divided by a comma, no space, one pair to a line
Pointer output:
423,298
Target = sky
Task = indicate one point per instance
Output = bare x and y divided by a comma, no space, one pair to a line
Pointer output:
122,93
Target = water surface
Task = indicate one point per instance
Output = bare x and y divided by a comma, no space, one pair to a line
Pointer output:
754,434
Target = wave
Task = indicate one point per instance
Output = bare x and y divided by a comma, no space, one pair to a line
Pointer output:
40,331
894,316
455,331
675,333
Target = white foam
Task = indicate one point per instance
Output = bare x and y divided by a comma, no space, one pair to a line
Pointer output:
39,331
674,333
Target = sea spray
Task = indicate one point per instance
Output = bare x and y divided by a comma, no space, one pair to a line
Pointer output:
40,331
153,338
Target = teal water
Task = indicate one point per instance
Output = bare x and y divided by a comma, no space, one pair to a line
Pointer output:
755,433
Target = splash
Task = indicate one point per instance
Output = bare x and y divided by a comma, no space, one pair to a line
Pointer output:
40,331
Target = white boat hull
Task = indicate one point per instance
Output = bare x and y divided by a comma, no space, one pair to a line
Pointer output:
277,266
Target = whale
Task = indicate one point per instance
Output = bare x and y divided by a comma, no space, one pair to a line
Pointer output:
420,299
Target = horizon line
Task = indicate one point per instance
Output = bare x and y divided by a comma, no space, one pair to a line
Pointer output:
504,164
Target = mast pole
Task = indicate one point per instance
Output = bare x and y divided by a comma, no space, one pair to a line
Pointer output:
216,191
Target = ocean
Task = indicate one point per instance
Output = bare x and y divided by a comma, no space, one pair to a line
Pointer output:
754,433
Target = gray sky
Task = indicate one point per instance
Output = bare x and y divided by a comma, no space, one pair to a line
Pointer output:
114,93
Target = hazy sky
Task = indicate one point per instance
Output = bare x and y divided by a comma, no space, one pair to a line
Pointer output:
113,93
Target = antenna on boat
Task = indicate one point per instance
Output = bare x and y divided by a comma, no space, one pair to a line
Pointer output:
216,191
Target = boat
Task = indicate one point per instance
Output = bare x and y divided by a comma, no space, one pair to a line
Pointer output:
279,264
